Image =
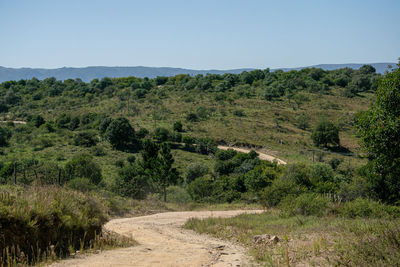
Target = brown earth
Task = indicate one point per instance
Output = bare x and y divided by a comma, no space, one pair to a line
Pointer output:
163,242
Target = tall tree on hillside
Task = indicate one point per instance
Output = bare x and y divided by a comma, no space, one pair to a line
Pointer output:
325,133
121,134
379,128
165,174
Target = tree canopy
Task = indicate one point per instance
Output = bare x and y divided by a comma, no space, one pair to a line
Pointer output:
379,129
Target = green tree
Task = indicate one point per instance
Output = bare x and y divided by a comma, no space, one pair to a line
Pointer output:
325,133
121,134
379,129
165,174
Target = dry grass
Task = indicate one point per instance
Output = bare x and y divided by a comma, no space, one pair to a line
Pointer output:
310,241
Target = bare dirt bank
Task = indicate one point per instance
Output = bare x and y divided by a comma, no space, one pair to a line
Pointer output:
164,243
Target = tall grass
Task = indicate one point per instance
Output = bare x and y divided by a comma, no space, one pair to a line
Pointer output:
37,222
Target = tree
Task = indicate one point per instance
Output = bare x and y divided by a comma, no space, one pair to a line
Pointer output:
325,133
157,163
165,174
120,134
379,129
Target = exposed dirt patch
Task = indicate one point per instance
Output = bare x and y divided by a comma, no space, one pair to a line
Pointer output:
261,156
163,242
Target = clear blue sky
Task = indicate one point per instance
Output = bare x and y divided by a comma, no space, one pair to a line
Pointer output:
204,34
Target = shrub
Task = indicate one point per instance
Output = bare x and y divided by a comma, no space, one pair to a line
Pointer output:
178,126
201,188
279,189
357,187
225,154
142,133
305,204
206,146
83,166
195,170
48,126
239,113
36,120
133,182
86,139
177,194
192,117
227,189
161,135
367,208
99,151
131,159
302,122
256,179
335,162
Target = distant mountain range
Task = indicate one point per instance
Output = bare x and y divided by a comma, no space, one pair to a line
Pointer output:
89,73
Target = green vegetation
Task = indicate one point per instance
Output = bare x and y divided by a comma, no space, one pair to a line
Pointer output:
146,139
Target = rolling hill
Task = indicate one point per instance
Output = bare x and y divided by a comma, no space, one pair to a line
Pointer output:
89,73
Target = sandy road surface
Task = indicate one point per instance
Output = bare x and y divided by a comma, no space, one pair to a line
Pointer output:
261,156
164,243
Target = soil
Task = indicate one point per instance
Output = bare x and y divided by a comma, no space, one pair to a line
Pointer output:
163,242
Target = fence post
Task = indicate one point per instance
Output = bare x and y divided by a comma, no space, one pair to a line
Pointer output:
313,155
59,176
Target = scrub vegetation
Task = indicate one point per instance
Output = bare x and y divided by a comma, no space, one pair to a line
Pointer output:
74,153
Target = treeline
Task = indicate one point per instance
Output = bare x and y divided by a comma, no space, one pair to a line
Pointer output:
258,83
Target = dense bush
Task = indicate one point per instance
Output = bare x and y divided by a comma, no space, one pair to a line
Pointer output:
195,170
367,208
279,189
201,189
83,166
86,139
305,204
132,181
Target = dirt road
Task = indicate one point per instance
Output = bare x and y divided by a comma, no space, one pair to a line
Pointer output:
164,243
261,156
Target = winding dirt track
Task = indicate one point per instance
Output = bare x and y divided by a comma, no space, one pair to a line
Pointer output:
261,155
163,242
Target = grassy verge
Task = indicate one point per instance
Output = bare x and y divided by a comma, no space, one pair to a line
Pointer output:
45,223
309,240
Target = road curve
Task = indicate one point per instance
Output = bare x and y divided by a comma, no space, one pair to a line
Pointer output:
261,156
163,242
